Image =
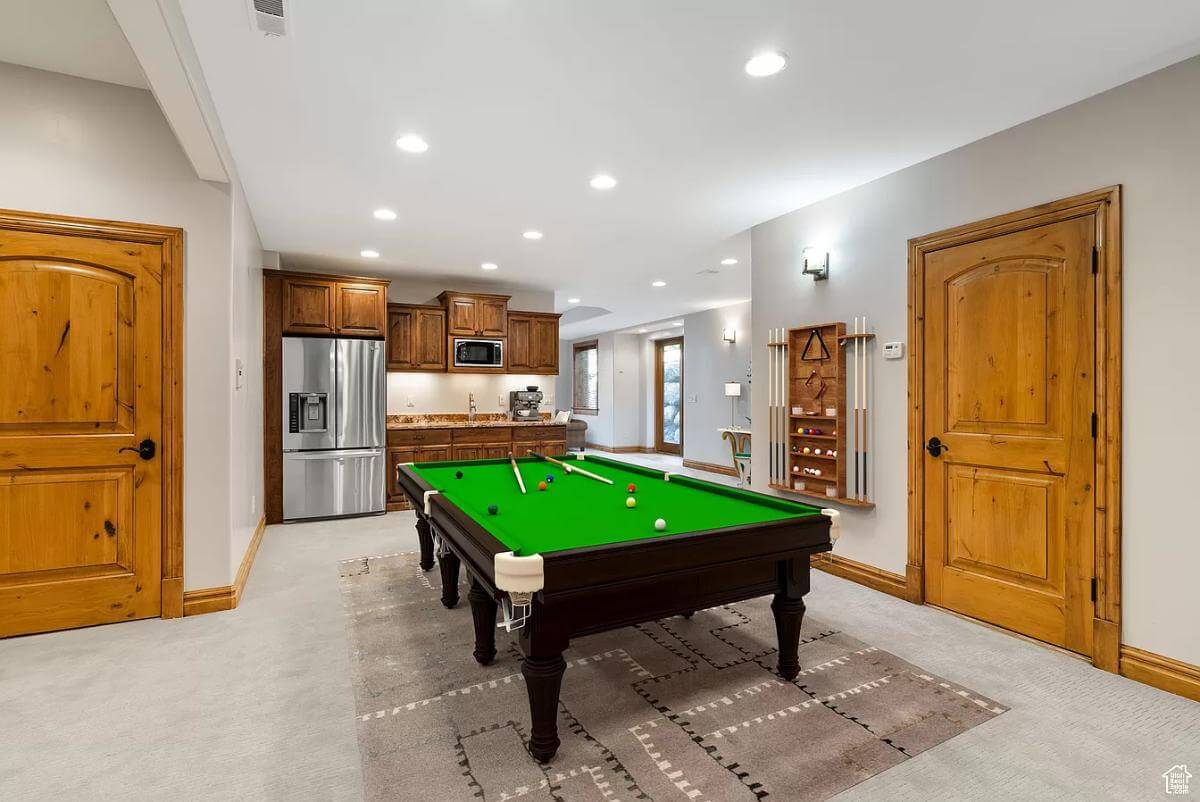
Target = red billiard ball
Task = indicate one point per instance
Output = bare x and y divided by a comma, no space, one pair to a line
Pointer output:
541,485
632,488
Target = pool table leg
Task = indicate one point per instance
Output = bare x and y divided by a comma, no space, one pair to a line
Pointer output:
448,563
789,615
425,538
483,611
542,668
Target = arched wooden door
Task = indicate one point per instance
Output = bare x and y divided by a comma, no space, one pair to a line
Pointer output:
81,427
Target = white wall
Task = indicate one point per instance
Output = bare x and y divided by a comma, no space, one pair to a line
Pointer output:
78,147
1144,135
439,393
246,406
709,362
614,410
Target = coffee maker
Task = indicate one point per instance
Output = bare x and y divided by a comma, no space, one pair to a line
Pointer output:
523,404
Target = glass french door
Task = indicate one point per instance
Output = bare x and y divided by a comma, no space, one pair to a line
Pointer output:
668,373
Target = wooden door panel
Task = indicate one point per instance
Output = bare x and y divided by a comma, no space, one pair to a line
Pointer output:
361,309
544,351
1003,525
520,344
67,333
401,323
1003,377
89,509
308,307
1009,392
463,316
495,450
492,317
81,338
430,341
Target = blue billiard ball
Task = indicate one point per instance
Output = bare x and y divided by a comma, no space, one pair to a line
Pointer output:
549,477
493,509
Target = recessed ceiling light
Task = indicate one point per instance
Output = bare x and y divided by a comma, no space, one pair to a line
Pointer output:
489,266
411,143
385,214
572,300
642,331
729,261
603,181
532,235
367,253
765,64
677,323
658,283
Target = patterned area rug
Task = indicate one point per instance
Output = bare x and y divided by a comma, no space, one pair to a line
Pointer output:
687,709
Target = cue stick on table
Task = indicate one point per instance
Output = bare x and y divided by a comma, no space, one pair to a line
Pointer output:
517,472
570,468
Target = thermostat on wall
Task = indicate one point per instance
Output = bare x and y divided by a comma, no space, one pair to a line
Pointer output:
893,350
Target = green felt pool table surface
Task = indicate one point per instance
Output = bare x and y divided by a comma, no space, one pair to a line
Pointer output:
576,511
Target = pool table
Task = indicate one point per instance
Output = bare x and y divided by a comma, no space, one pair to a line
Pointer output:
575,559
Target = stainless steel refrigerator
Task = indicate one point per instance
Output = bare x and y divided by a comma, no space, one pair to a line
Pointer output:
334,433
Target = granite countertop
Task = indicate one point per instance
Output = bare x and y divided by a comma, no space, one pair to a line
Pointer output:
483,420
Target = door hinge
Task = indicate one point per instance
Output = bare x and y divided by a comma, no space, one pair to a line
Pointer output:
1094,583
1095,425
1095,260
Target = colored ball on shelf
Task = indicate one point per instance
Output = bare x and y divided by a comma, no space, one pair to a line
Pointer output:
549,477
632,488
458,474
493,509
631,502
807,449
660,524
541,485
817,451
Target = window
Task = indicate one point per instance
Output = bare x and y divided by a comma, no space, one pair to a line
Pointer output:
586,397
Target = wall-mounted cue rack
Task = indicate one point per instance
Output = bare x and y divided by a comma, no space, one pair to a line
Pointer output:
819,412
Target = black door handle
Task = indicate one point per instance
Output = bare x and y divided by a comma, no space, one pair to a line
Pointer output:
935,447
145,449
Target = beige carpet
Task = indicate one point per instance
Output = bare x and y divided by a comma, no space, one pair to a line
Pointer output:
674,709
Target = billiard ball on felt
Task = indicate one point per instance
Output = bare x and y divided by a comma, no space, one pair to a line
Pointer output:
549,477
493,509
632,488
458,474
541,485
631,502
660,525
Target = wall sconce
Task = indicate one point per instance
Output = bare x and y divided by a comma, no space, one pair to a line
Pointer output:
816,263
729,335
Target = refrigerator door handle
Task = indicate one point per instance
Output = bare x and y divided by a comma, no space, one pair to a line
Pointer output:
341,453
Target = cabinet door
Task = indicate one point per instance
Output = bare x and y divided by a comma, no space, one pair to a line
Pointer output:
463,316
492,317
468,452
397,456
429,340
543,348
402,333
520,344
433,453
361,309
555,448
308,306
496,450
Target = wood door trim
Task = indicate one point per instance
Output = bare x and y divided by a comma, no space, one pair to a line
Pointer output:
171,240
659,445
1104,205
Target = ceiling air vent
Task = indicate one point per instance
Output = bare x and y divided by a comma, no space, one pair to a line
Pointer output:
267,17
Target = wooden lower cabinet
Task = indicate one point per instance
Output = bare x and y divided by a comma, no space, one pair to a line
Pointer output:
553,448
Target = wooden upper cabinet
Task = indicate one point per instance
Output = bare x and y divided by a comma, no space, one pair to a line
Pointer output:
533,343
308,306
333,305
475,314
416,338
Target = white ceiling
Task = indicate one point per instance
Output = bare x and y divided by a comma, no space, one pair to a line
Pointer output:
75,37
522,101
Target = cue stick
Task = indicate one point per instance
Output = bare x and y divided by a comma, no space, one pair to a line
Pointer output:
516,472
866,396
771,408
570,468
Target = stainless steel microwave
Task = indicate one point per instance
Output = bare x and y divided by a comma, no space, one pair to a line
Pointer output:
470,353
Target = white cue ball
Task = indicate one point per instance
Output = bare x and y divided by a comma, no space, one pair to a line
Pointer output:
660,525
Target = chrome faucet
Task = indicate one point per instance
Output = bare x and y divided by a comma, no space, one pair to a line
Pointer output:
470,407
